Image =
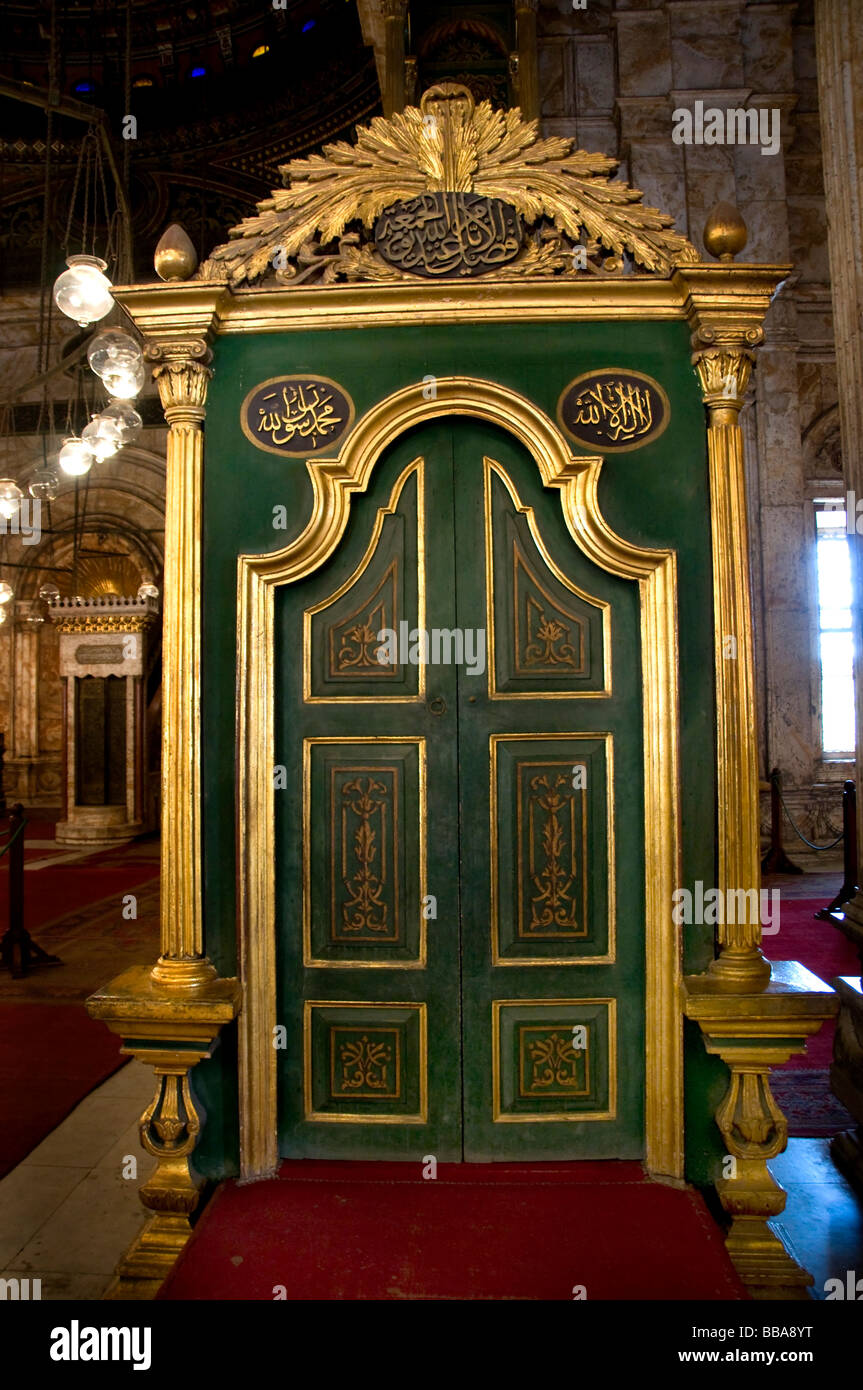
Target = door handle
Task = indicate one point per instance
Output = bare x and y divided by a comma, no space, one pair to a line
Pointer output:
437,705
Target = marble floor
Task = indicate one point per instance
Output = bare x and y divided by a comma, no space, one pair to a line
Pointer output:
822,1224
67,1213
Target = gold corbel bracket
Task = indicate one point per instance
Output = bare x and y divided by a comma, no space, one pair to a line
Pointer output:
752,1033
172,1035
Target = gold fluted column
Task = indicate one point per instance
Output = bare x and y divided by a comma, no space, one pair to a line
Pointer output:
724,368
182,376
393,93
528,71
170,1017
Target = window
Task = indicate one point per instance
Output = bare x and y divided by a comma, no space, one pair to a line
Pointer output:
835,640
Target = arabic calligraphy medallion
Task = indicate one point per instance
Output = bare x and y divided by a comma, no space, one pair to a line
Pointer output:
297,415
440,235
613,410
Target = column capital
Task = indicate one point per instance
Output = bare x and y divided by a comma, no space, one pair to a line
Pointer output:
182,374
724,372
394,9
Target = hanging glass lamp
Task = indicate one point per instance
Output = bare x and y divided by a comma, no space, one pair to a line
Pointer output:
107,344
124,376
126,418
83,292
75,457
103,437
44,485
10,497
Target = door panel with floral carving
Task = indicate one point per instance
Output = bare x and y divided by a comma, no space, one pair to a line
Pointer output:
368,889
461,920
550,759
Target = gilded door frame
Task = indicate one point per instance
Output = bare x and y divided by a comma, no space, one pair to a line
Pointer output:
334,480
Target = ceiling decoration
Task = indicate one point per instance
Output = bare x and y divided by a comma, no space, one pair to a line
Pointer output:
448,188
105,576
273,84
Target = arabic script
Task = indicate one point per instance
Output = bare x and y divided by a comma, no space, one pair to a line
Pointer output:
439,234
298,412
620,410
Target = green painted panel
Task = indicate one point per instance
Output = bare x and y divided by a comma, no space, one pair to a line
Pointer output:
370,1000
389,1046
657,495
550,784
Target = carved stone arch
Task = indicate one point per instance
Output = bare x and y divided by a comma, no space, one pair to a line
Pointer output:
334,481
822,446
446,30
58,549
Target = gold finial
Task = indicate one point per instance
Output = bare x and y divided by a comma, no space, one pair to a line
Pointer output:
725,233
175,257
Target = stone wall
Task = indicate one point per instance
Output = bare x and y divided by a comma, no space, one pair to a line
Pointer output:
611,76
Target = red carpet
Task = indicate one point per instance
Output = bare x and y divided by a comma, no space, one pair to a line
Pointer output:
51,1057
808,1104
823,950
348,1231
52,1054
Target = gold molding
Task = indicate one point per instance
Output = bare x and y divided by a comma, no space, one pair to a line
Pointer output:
447,144
171,1032
172,307
333,483
108,622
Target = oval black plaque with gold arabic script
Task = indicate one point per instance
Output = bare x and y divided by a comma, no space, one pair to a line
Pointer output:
448,234
297,415
613,410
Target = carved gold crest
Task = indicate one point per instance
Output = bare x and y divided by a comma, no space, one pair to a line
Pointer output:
556,211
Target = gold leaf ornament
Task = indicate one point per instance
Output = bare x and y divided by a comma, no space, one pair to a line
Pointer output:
448,144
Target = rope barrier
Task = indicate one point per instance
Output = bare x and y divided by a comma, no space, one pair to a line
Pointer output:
13,838
799,833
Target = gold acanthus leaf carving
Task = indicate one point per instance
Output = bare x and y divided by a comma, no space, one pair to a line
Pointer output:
449,144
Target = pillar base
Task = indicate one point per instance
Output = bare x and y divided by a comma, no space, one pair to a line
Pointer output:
763,1263
96,827
150,1258
740,971
181,974
753,1033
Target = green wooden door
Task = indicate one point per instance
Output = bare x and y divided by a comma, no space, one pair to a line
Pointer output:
459,825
